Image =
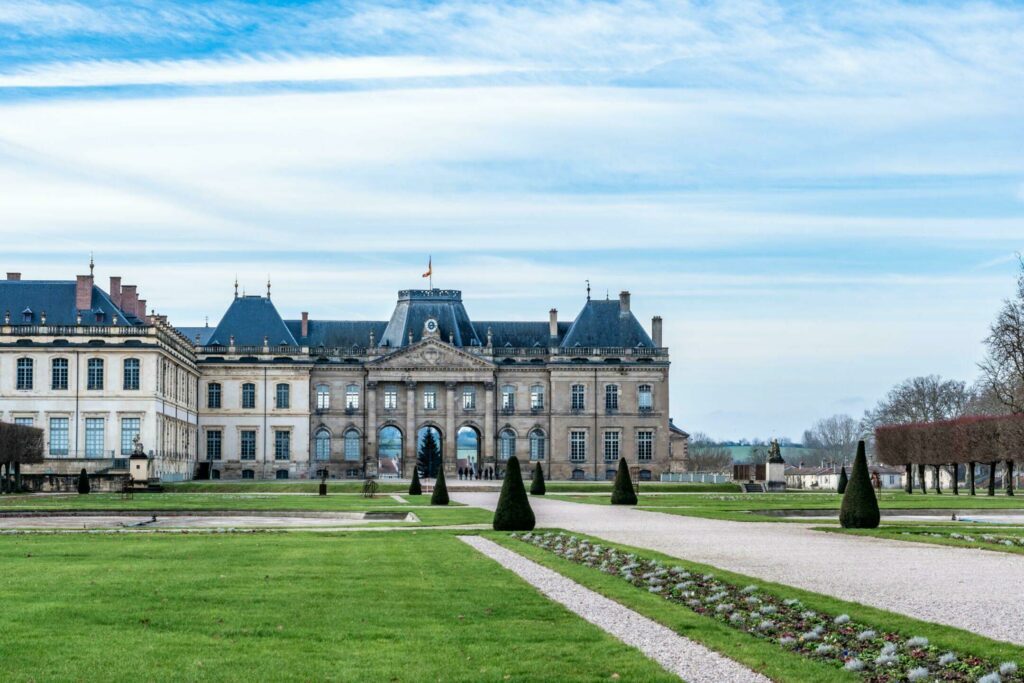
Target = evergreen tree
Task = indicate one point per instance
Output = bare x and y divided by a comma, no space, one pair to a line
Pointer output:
843,481
537,487
514,512
83,482
622,492
860,506
414,488
440,494
430,455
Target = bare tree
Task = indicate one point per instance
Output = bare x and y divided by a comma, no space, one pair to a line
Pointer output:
758,452
920,399
833,439
705,455
1003,368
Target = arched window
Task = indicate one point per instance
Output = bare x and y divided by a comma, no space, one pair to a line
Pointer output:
389,450
538,447
322,445
323,397
284,396
248,474
25,371
352,397
578,474
506,444
214,474
352,445
282,474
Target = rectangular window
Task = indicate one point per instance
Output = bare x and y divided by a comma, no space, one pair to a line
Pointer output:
429,399
284,396
24,381
537,397
94,437
131,374
248,395
24,421
282,444
352,397
130,427
213,395
611,397
508,398
645,398
611,446
390,398
578,397
468,399
577,445
644,445
248,474
59,374
94,376
59,436
214,442
351,445
323,397
248,444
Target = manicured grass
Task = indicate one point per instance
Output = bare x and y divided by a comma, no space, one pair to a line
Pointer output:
940,535
645,486
747,507
209,501
241,486
756,653
349,607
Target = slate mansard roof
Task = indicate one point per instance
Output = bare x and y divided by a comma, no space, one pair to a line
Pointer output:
251,318
27,300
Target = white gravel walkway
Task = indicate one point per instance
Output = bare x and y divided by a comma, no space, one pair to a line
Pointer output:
929,582
689,660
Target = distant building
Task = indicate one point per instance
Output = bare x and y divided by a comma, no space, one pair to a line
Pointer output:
827,478
258,397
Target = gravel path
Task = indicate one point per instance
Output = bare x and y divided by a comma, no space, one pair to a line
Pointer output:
689,660
929,582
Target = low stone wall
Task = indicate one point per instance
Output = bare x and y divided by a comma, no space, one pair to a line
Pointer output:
60,483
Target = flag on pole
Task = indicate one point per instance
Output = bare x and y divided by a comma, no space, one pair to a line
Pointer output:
430,267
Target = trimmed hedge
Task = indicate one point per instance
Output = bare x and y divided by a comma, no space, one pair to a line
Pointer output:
860,507
83,482
537,486
513,512
843,481
622,492
415,489
440,494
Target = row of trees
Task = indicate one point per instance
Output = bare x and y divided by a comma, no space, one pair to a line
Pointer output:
19,445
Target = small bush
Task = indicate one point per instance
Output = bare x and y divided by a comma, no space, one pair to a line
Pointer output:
860,506
513,512
537,486
83,482
843,481
414,487
440,494
622,492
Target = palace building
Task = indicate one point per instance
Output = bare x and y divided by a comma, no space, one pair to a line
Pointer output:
257,396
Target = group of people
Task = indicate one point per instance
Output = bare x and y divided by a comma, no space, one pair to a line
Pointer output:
472,472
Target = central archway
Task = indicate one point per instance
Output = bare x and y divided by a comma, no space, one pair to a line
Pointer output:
467,450
429,448
389,452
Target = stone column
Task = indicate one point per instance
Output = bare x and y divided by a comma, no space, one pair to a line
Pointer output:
448,457
370,428
409,444
488,435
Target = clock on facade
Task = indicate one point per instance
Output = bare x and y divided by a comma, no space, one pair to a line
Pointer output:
430,326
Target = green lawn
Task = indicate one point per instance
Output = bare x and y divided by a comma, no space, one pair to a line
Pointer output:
274,486
748,507
984,537
210,501
348,606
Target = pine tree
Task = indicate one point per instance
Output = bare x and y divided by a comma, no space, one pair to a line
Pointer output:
622,492
430,455
843,481
83,482
860,506
513,512
537,486
414,488
440,494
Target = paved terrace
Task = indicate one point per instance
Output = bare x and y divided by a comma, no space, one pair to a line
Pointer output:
975,590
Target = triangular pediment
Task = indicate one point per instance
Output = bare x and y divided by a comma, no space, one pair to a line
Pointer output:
431,353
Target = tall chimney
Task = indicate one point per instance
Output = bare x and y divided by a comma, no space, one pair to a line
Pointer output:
553,323
140,311
83,292
129,299
13,276
305,324
115,291
623,302
656,331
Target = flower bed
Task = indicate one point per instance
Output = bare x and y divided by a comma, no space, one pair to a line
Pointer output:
994,539
877,656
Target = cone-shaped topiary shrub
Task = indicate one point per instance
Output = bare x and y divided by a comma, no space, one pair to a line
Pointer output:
843,481
513,512
622,492
860,507
440,494
414,488
537,487
83,481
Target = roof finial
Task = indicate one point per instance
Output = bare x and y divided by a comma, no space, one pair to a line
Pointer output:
236,285
588,290
92,264
268,285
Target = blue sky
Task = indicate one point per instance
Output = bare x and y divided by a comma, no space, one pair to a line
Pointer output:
820,199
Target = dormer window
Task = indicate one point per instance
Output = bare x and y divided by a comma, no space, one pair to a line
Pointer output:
26,315
100,316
